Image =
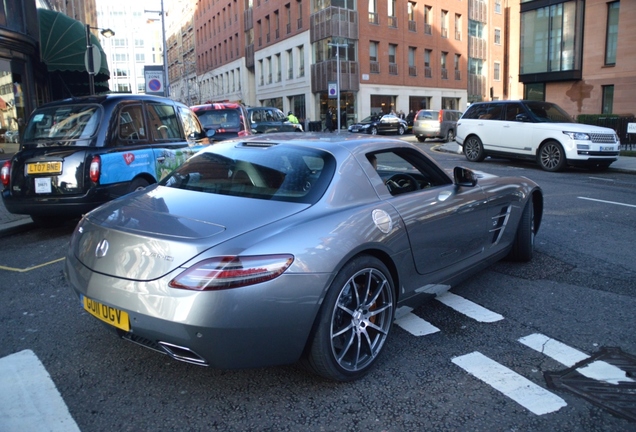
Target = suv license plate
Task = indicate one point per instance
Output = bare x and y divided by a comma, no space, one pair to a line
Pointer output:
607,148
106,313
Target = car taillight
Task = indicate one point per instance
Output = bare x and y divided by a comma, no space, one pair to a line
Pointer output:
5,173
440,116
227,272
95,169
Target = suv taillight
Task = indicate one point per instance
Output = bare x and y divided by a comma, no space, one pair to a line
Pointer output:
440,116
95,168
5,173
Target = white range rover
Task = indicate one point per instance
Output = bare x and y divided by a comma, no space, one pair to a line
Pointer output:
534,130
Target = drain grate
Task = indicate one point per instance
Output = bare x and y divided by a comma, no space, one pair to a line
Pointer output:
619,399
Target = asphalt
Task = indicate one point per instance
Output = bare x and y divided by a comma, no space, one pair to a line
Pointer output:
12,223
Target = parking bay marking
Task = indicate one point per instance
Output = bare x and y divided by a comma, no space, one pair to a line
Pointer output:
24,270
608,202
29,399
523,391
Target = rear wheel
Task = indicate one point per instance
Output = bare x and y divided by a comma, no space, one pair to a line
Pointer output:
450,135
551,156
421,138
401,130
137,184
354,321
474,149
374,130
48,221
523,246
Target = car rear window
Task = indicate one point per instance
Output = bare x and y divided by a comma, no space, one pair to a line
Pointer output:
221,118
427,115
276,172
65,124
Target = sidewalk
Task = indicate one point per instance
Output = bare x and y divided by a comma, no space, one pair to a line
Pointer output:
10,223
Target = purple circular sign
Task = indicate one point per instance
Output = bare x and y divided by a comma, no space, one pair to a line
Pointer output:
154,84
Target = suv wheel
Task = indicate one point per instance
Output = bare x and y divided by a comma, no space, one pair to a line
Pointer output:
450,135
474,149
551,156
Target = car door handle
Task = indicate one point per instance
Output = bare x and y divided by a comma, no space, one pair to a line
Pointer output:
161,159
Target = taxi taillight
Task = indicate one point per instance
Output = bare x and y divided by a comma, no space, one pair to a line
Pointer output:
5,173
95,168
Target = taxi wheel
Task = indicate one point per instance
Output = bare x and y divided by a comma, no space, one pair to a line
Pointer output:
137,184
48,221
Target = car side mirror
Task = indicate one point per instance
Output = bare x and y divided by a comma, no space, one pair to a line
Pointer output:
464,177
522,118
210,133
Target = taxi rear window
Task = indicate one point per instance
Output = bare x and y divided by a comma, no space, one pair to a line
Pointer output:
66,125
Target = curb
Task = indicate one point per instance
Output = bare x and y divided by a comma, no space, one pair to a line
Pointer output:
16,227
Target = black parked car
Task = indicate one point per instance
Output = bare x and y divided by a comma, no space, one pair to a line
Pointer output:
79,153
380,124
270,119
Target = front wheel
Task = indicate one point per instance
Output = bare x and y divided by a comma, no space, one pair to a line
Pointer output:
401,130
523,246
551,156
450,135
474,149
354,321
374,131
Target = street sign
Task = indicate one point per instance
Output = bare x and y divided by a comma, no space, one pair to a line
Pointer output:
631,128
332,89
97,60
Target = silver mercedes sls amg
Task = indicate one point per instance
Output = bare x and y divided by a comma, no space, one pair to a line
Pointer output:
288,248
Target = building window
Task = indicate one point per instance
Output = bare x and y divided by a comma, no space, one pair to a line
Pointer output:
497,36
391,13
458,74
393,67
411,16
552,40
475,66
608,99
373,12
412,57
301,61
428,20
612,33
373,57
475,29
443,65
497,71
444,23
498,6
428,73
458,27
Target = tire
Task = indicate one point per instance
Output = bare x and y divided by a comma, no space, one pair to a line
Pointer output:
137,184
421,139
450,136
349,334
551,157
474,149
401,130
374,131
523,246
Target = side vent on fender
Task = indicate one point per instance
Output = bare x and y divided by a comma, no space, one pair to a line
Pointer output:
499,223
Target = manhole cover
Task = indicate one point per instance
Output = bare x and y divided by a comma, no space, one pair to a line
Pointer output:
616,394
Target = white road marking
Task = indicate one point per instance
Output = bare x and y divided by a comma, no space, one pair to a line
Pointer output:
568,356
468,308
554,349
523,391
608,202
29,400
416,325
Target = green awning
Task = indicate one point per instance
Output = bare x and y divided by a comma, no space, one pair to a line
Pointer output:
63,47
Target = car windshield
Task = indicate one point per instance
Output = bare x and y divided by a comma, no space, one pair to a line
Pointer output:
64,124
278,172
219,119
546,112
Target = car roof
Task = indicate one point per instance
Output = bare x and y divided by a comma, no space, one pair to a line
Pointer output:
217,106
111,98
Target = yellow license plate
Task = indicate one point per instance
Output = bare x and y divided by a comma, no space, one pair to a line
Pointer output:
44,168
107,314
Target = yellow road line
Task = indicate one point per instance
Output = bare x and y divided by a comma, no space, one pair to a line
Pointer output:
30,268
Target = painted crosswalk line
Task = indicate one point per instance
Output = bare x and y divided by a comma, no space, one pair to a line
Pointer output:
29,400
523,391
416,325
468,308
568,356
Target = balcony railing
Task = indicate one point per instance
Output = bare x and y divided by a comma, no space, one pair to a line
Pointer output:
393,21
373,18
301,71
428,73
278,76
444,73
413,26
393,69
290,73
288,28
269,78
300,23
374,67
412,70
428,29
458,75
458,35
444,32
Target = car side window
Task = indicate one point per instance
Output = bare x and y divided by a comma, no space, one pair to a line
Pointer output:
512,110
477,111
163,122
191,125
131,128
404,170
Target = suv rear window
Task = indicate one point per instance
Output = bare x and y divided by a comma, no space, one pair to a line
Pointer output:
219,118
68,124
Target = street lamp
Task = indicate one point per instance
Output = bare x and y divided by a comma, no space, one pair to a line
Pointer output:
90,55
338,46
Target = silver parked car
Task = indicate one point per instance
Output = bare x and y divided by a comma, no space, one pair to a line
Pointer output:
286,247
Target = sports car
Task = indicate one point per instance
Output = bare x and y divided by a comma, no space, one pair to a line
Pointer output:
285,248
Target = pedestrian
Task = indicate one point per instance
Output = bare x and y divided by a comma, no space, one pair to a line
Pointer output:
291,117
343,119
329,121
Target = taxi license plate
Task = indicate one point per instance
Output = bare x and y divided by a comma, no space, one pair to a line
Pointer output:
106,313
44,168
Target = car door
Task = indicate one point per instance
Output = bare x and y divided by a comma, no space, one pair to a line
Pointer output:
516,135
447,225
